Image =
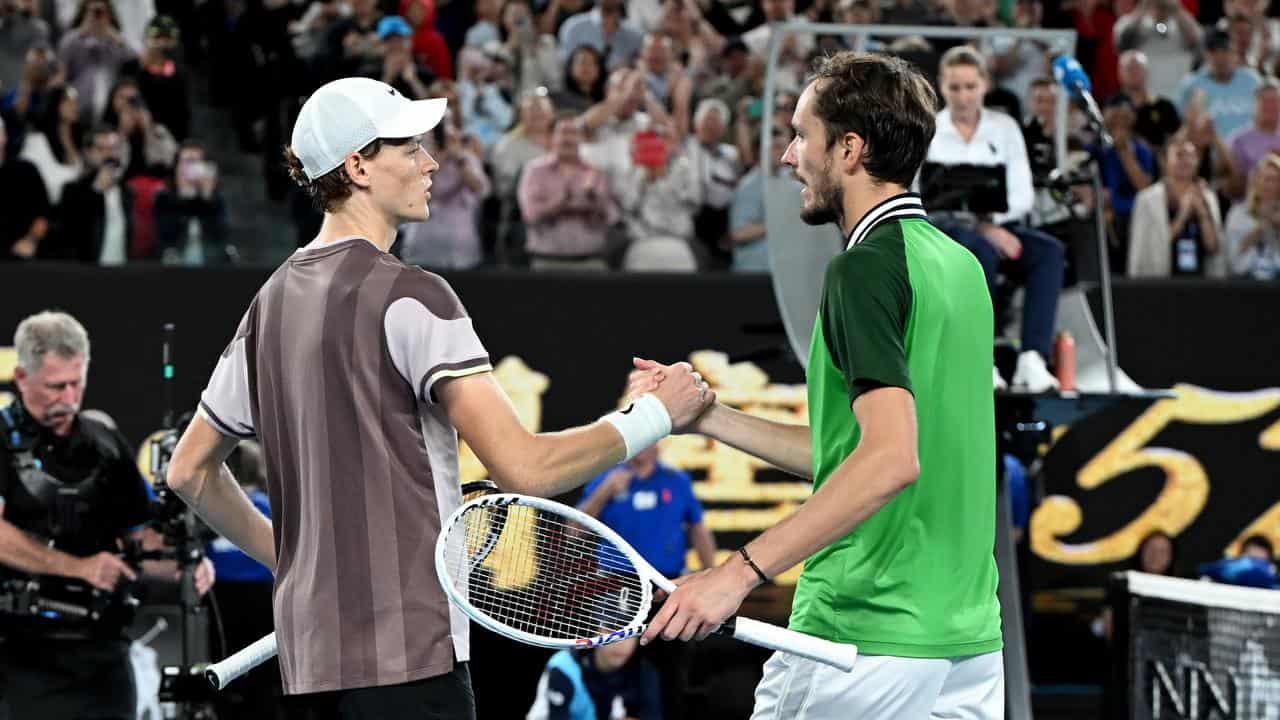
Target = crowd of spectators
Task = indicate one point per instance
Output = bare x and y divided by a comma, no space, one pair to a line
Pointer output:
613,133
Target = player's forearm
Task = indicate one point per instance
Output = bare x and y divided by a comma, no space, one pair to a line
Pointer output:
782,445
863,484
21,552
550,464
214,495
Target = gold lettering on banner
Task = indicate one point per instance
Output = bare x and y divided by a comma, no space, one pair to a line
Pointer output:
1186,485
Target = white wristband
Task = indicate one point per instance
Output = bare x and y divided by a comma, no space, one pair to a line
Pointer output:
642,424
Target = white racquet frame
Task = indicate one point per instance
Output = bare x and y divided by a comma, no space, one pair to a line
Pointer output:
838,655
763,634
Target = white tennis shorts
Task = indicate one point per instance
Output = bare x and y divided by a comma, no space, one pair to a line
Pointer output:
882,687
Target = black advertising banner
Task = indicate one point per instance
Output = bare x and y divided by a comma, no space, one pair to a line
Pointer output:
1203,467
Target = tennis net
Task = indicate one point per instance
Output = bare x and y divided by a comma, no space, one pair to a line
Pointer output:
1193,650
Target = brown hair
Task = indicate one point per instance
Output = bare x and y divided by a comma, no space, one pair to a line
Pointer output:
330,190
885,101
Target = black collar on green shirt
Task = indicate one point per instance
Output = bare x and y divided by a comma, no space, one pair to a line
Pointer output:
898,207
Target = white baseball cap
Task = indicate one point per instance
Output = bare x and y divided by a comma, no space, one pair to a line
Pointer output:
348,114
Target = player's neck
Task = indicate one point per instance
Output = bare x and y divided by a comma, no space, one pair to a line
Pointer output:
356,221
861,195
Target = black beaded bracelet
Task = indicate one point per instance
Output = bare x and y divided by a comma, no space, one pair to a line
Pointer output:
759,573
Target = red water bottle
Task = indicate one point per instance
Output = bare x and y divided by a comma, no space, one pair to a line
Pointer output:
1064,362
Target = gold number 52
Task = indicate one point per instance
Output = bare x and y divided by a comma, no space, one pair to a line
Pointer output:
1186,485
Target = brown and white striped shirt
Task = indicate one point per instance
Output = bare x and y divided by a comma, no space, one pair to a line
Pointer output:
333,369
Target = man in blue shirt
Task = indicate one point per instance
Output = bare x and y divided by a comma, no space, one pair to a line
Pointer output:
1224,88
653,508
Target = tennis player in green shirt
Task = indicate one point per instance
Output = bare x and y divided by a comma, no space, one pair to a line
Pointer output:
898,537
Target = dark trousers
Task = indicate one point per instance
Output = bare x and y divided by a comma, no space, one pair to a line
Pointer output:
66,680
1040,267
443,697
673,660
246,616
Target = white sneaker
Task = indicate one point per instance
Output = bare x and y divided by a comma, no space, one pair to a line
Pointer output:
1031,374
997,381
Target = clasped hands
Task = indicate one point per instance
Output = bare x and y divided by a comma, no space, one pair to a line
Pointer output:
701,601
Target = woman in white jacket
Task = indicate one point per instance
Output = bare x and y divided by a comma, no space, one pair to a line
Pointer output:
1176,226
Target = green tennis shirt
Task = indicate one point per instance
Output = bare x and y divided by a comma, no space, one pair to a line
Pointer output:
906,306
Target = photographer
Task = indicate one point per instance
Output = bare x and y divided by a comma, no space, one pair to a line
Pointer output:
71,494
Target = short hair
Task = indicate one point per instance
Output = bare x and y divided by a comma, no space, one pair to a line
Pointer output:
963,56
330,190
1042,82
884,100
1262,542
50,331
102,128
711,105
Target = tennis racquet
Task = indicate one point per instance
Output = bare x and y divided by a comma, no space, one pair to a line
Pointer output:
242,661
546,574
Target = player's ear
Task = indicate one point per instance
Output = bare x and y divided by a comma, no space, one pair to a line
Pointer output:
357,167
851,148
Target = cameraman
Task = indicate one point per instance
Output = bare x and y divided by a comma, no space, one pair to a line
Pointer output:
70,493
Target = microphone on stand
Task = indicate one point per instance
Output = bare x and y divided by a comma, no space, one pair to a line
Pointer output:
1069,74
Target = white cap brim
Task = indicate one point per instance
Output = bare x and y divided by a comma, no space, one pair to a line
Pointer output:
417,117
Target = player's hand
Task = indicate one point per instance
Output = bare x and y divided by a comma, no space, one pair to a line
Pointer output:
684,393
701,603
103,570
645,378
205,576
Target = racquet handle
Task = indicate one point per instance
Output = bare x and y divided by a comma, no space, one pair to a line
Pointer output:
839,655
221,673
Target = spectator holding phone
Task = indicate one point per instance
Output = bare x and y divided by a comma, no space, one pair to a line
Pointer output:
1167,35
152,148
536,59
94,53
95,212
400,68
566,205
191,216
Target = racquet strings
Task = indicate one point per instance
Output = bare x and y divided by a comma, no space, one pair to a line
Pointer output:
539,573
